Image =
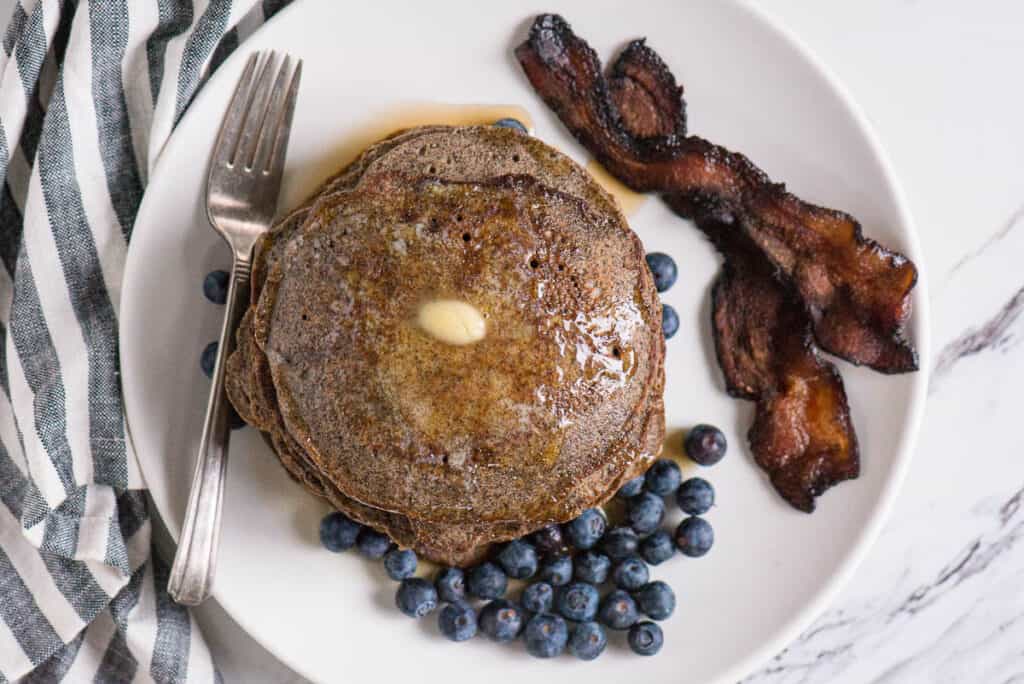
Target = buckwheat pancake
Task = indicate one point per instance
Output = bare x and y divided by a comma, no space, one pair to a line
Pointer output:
449,448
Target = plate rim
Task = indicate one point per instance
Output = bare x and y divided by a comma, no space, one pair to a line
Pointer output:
801,619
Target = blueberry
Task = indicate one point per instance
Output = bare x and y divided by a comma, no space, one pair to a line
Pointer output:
416,597
487,581
208,359
400,563
663,477
669,321
657,548
696,496
577,601
585,531
372,543
548,540
618,610
451,585
457,621
537,597
645,512
215,286
509,122
645,638
592,566
656,600
631,488
546,635
556,570
588,641
620,542
518,559
705,445
338,532
663,268
630,573
694,537
501,620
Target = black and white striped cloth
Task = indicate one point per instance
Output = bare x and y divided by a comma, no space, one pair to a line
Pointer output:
90,90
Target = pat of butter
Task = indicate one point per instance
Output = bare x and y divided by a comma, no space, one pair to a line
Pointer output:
452,321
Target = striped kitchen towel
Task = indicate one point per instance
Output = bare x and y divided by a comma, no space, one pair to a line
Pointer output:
90,90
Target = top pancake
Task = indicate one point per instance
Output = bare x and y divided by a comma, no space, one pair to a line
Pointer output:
544,417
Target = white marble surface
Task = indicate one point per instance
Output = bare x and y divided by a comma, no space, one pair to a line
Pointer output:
940,598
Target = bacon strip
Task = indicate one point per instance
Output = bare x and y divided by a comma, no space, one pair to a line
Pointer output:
855,290
646,94
802,434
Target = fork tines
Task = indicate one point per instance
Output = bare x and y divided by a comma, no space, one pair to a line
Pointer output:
255,128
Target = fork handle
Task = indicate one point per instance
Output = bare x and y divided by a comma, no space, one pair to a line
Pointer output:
191,576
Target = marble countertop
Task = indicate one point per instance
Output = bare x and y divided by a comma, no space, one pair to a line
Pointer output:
940,597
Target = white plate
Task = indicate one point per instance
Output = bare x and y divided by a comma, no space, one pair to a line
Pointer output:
749,87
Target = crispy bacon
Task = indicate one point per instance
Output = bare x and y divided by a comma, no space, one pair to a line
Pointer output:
802,434
646,94
856,291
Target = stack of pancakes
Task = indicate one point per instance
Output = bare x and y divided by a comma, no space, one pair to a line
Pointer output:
450,448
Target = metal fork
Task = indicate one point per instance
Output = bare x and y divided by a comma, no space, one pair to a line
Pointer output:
241,198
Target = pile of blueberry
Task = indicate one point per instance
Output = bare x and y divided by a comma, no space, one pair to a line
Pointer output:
561,608
663,268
